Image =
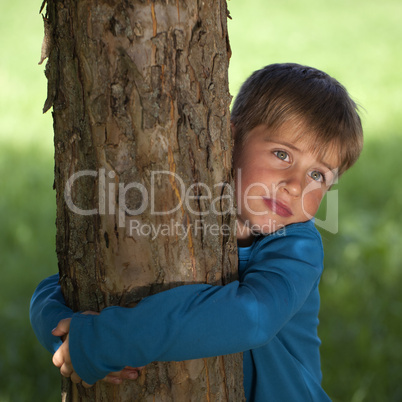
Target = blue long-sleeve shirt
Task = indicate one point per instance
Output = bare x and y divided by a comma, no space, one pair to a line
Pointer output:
270,314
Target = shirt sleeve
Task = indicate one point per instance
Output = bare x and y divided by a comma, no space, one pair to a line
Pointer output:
46,310
196,321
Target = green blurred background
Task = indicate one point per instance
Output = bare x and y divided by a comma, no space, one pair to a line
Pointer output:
359,43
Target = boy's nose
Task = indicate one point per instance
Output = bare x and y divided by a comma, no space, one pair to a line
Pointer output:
292,185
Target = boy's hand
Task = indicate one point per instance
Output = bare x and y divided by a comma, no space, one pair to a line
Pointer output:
128,373
62,329
62,357
116,378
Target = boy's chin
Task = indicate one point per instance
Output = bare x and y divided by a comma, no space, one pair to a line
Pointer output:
247,228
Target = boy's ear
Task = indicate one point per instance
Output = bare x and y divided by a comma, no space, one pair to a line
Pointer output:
233,130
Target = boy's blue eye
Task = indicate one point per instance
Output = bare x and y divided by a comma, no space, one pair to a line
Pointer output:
282,155
317,176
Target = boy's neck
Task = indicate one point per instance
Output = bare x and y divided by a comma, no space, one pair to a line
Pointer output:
245,242
245,237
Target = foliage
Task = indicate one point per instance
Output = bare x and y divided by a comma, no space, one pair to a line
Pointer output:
27,256
357,42
361,299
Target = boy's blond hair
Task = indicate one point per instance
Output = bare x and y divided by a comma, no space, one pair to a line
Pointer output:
318,103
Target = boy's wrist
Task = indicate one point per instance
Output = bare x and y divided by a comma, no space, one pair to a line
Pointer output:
82,348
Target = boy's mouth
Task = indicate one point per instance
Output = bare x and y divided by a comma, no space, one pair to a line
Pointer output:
278,208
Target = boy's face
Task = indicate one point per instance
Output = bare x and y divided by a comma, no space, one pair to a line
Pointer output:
279,181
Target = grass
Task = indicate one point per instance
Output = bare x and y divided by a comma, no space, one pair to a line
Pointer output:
358,43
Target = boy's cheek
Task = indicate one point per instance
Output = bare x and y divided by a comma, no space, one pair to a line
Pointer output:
312,201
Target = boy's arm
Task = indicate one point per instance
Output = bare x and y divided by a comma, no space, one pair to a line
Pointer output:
196,321
46,310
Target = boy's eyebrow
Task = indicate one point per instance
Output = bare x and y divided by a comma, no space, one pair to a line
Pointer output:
329,167
286,144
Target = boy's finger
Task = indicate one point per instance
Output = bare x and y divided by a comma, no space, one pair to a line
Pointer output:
62,355
57,358
66,370
112,379
127,369
63,327
75,378
131,373
128,373
89,312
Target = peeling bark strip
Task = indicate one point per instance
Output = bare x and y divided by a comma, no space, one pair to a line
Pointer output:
139,87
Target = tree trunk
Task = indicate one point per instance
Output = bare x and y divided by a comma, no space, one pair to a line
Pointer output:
140,99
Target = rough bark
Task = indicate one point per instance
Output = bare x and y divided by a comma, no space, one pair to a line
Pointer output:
140,87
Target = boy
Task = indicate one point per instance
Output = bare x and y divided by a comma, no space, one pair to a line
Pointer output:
296,129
